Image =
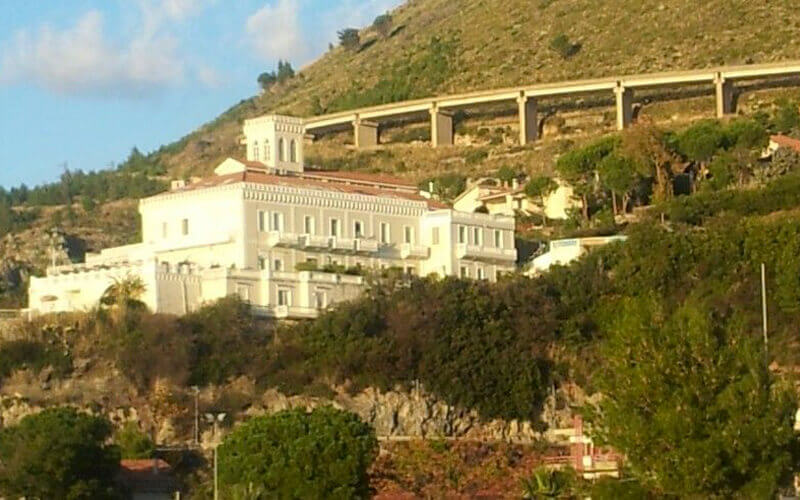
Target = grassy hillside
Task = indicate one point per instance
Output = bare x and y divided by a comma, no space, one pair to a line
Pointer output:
438,46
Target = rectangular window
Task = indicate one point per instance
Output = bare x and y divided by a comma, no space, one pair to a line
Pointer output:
480,274
334,227
277,265
277,221
321,299
498,238
185,227
385,234
262,221
411,270
308,225
462,234
284,297
464,272
262,263
408,234
164,231
435,236
358,229
477,236
243,291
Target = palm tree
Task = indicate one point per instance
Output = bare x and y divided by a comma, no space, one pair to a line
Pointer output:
124,295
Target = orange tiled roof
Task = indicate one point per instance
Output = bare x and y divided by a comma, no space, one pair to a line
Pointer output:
359,177
786,141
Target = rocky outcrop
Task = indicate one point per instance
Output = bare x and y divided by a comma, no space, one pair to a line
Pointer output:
395,414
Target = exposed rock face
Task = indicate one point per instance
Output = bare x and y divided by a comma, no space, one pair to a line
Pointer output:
393,414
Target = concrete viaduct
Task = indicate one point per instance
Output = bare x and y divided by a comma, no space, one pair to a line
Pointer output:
366,121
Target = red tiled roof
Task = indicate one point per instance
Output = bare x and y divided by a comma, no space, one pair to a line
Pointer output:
786,141
258,176
147,475
359,177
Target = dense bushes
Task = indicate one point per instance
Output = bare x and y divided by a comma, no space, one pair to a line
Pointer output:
209,346
295,454
58,453
780,194
472,343
34,355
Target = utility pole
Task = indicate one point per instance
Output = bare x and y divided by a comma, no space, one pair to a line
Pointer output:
764,308
196,415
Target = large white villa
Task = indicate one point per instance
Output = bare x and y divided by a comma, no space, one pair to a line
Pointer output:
279,236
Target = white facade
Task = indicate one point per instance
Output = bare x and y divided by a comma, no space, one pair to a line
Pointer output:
287,241
563,252
513,200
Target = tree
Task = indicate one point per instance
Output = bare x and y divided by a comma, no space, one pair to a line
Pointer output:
507,174
539,188
689,400
618,174
645,144
297,454
579,166
267,79
58,453
285,71
349,38
383,25
133,443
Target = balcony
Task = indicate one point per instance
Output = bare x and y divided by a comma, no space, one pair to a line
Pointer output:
281,239
411,251
486,254
312,241
343,245
366,247
296,312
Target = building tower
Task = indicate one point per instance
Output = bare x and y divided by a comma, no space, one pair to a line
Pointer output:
276,141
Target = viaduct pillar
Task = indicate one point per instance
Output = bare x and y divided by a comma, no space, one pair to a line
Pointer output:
624,106
726,96
441,127
365,133
528,119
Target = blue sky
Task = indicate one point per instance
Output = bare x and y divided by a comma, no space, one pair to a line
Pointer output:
82,82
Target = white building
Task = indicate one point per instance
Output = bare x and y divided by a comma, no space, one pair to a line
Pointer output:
486,196
281,237
563,252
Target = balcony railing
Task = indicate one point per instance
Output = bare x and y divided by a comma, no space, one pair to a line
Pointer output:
345,245
411,251
365,247
314,241
487,254
281,239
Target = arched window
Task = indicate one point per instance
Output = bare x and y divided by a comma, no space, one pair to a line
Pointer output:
281,150
255,150
292,151
266,150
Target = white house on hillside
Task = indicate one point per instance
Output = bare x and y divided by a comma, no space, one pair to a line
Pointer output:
485,195
267,230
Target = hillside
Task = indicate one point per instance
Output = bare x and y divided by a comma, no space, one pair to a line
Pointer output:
439,47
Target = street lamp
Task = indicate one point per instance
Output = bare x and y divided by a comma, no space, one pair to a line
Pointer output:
196,415
215,419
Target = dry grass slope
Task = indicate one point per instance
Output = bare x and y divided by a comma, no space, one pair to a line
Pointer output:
506,42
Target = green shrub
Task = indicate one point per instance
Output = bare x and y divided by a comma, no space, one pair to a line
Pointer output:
133,443
58,453
561,45
36,356
295,454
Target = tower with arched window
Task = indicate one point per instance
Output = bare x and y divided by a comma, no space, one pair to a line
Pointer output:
276,141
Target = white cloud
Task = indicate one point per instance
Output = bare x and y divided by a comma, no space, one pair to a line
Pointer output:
82,59
274,31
